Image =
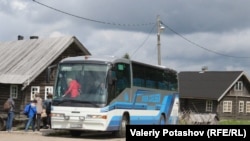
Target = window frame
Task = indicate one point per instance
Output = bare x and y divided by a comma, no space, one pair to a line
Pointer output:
209,106
238,86
47,90
14,91
227,106
247,106
33,91
241,106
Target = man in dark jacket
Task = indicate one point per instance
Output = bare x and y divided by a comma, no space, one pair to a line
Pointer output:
10,114
47,107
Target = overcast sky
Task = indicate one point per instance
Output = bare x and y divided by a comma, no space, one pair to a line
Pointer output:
212,33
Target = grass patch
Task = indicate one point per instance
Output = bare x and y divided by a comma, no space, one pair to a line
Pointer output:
234,122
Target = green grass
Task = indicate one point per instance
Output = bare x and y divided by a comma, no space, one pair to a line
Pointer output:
234,122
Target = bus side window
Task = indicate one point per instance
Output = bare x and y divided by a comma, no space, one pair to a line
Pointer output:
122,84
123,78
119,79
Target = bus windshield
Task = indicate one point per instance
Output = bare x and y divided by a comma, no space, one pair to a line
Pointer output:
81,84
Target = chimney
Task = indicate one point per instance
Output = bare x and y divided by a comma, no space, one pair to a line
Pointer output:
19,37
204,69
33,37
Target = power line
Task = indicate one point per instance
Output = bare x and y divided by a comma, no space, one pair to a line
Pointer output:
144,40
102,22
118,24
88,19
209,50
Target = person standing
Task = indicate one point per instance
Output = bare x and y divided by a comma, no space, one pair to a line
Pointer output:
47,107
39,108
10,115
31,115
44,118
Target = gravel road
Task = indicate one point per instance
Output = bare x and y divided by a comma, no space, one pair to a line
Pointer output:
50,135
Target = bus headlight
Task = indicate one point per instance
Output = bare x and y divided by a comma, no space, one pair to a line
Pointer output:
60,115
66,117
57,115
96,116
82,118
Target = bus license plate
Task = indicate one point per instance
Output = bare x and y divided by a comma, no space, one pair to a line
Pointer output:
76,125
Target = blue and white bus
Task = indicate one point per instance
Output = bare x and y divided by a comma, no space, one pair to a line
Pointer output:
114,92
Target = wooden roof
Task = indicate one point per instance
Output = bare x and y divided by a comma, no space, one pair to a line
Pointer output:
207,85
21,61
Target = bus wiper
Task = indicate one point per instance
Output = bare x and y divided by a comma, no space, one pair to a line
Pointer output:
57,102
90,103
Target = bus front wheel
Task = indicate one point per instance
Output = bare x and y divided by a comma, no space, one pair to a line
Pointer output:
162,120
121,133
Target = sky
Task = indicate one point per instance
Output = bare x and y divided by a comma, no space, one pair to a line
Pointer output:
195,33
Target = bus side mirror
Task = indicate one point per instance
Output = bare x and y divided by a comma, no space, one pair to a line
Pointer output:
111,77
51,73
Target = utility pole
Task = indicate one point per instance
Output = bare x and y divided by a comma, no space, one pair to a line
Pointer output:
159,29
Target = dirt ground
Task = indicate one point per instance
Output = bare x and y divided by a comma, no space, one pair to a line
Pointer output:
50,135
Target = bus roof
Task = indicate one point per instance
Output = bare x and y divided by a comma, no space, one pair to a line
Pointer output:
111,59
153,66
96,58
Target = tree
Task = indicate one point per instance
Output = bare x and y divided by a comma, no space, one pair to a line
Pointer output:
126,56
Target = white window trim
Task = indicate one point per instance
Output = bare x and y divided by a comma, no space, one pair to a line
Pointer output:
227,107
241,106
32,92
48,89
247,106
14,93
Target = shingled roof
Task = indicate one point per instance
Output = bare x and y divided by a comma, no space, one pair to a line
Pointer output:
208,84
21,61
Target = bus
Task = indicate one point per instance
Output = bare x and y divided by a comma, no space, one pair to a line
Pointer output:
114,92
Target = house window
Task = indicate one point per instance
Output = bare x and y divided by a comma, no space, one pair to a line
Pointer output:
13,91
34,90
241,106
248,107
227,106
48,89
209,106
238,86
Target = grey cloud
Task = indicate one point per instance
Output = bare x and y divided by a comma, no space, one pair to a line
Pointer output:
221,26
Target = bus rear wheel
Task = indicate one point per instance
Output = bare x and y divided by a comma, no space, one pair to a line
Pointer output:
121,133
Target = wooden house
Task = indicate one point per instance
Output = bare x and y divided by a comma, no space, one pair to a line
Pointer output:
24,66
225,93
